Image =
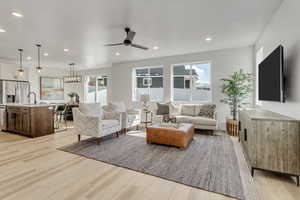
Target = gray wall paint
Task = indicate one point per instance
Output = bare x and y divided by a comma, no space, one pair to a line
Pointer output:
224,62
284,29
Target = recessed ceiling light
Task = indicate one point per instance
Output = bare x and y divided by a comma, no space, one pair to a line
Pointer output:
2,30
16,14
117,54
66,50
28,58
46,54
208,39
155,47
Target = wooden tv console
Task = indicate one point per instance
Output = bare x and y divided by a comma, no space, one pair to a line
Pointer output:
270,141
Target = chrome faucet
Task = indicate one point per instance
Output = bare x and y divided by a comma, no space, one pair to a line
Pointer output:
28,96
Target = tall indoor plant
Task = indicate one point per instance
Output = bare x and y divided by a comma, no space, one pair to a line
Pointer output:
236,89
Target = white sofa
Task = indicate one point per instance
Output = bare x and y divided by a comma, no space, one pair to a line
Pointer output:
90,120
187,113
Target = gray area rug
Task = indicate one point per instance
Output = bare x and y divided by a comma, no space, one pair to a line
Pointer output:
209,163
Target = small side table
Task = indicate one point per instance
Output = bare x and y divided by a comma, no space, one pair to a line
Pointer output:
146,122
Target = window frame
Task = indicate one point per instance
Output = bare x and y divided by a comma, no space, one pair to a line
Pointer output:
259,57
191,88
134,83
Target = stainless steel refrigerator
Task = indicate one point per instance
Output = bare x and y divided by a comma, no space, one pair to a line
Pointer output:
14,91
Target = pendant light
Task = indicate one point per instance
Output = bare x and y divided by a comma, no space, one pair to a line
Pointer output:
72,76
21,70
39,68
72,72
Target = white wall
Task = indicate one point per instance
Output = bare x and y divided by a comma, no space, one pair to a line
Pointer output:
9,71
284,29
224,62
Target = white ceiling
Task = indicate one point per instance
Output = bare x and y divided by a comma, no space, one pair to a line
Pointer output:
83,26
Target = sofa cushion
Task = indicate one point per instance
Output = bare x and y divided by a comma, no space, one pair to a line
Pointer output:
110,115
91,109
109,123
162,109
131,118
207,110
204,121
188,110
197,109
184,119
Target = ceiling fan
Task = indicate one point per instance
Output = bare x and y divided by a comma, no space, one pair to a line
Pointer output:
128,40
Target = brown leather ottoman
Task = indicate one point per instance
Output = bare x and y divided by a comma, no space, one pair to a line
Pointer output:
171,135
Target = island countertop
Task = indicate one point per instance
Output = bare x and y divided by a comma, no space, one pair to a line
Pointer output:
28,105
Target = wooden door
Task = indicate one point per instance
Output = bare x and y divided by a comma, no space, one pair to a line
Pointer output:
18,124
25,129
11,120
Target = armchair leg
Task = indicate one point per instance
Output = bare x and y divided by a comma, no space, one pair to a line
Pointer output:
98,140
78,138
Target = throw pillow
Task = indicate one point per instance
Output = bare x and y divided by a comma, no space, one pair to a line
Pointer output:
162,109
174,109
207,110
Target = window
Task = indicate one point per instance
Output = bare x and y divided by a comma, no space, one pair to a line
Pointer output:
259,59
96,89
148,80
192,82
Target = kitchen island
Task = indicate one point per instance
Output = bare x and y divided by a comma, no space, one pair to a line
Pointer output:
32,120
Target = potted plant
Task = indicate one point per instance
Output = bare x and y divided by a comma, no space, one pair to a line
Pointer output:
236,89
72,95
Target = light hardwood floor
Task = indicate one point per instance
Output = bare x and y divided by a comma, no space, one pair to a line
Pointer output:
35,169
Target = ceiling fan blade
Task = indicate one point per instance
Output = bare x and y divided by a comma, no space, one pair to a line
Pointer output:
130,35
116,44
139,46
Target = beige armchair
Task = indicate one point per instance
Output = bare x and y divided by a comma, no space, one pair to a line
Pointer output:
89,120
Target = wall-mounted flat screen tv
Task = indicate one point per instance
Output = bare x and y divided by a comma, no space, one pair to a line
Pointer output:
271,77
